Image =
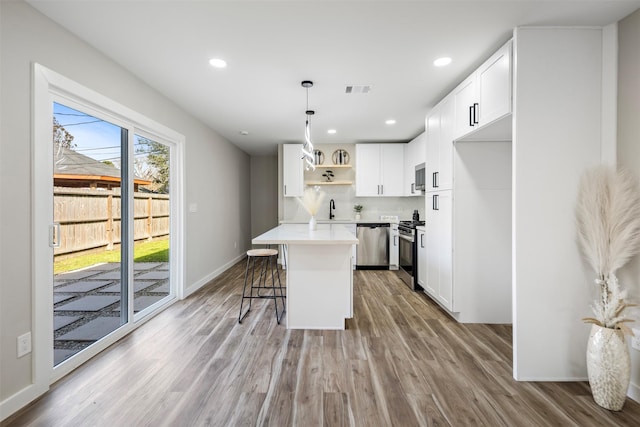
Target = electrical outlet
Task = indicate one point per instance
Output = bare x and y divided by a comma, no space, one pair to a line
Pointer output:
635,339
24,344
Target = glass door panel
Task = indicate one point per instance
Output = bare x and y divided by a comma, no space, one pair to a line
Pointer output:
151,224
89,294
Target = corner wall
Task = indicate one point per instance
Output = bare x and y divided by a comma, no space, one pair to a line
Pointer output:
264,194
556,135
629,152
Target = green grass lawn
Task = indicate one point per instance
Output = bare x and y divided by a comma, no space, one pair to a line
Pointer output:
156,251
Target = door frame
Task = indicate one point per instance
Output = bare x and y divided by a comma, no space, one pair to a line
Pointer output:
49,86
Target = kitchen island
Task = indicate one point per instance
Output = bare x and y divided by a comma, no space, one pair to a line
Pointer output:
319,273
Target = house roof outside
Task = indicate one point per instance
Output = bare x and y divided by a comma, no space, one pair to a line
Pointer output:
73,169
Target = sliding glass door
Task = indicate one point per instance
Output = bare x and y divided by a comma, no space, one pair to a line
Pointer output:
110,229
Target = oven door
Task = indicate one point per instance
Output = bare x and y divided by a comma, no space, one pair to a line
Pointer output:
406,259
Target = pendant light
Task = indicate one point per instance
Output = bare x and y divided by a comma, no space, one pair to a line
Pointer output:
307,147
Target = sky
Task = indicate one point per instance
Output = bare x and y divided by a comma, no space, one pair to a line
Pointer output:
93,137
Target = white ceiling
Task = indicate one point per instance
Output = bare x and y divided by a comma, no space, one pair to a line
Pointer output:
272,46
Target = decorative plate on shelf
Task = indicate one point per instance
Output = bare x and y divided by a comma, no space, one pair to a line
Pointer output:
340,157
318,157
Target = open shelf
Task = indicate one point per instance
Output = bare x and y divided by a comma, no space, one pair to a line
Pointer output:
328,183
333,166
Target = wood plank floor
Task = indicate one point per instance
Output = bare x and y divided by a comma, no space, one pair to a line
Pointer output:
400,362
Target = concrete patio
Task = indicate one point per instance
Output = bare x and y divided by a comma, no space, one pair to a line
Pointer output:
87,302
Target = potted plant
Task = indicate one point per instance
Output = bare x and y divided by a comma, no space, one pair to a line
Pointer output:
357,209
608,226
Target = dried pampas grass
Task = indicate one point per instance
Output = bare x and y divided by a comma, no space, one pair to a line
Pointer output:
311,200
608,224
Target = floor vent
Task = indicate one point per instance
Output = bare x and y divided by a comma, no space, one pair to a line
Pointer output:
355,89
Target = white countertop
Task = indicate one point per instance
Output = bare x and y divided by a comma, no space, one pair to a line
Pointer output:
342,221
334,234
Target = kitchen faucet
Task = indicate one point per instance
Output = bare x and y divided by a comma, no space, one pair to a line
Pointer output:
332,206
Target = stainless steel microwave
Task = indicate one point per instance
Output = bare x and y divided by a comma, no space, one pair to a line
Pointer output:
420,177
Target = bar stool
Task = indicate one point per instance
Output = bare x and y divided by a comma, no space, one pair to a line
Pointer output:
268,262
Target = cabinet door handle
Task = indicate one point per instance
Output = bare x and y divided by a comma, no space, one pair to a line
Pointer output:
434,203
475,113
422,240
413,188
395,240
434,182
378,189
382,189
471,115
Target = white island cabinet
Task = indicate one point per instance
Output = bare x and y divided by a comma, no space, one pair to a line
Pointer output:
319,273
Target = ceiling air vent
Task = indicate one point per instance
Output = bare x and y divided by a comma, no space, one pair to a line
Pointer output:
355,89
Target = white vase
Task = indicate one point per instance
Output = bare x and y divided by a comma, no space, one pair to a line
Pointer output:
313,224
357,216
608,367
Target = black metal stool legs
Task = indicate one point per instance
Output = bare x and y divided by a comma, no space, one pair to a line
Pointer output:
268,262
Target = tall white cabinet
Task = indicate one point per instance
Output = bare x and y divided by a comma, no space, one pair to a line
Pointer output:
439,251
422,258
467,255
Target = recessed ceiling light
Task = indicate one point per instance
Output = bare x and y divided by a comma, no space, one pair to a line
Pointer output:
218,63
331,131
441,62
391,122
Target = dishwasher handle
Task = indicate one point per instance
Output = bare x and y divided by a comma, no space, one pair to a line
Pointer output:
373,224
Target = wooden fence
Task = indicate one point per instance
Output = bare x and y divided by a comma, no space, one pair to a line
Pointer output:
90,219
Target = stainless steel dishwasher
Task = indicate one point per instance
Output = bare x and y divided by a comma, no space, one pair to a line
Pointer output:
373,247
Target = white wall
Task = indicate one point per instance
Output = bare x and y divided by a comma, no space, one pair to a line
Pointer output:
217,173
264,194
556,135
629,151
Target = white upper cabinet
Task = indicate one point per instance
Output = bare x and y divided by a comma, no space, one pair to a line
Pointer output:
392,166
466,101
485,95
379,170
439,146
414,154
292,170
494,86
367,170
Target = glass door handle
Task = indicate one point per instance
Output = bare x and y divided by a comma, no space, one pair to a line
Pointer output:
54,235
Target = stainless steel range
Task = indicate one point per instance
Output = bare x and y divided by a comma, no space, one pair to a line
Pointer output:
408,270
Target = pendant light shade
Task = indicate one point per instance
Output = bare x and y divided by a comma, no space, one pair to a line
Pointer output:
307,147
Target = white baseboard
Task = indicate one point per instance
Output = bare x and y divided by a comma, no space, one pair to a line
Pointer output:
14,403
550,379
209,277
634,392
